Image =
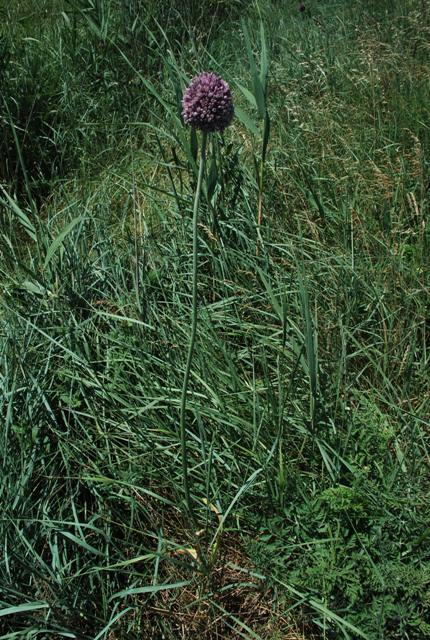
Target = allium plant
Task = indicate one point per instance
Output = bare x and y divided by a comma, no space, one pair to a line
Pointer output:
207,105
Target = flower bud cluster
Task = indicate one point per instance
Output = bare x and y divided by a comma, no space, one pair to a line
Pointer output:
207,103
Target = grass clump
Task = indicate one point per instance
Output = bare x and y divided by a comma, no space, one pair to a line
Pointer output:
308,400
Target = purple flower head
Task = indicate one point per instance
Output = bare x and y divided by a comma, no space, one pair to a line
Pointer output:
302,7
207,103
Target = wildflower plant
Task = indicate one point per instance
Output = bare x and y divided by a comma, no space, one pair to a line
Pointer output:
207,106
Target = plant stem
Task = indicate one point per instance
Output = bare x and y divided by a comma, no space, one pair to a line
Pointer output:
182,426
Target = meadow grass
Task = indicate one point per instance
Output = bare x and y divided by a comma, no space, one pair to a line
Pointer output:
309,396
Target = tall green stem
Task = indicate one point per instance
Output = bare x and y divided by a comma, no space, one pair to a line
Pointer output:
182,426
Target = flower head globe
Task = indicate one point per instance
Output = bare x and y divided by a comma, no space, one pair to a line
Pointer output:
207,103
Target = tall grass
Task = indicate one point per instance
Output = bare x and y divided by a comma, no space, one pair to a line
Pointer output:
308,404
